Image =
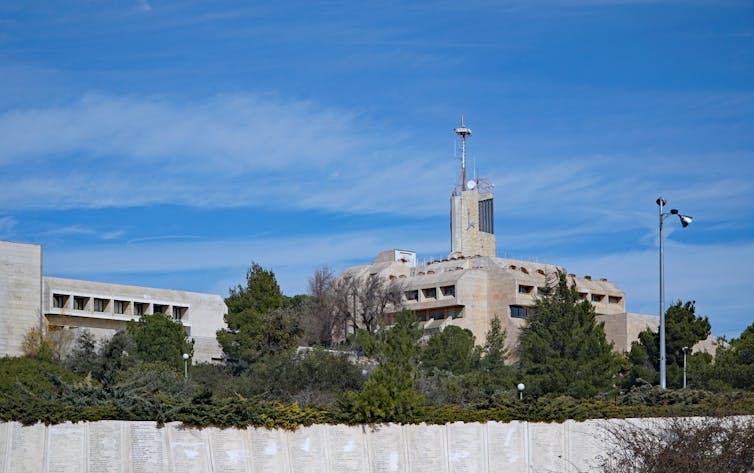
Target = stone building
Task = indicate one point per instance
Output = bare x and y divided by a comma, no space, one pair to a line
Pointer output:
472,285
28,299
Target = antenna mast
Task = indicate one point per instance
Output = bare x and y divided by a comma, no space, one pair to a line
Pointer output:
463,132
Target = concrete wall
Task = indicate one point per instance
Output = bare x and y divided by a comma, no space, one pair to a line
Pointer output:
142,447
20,294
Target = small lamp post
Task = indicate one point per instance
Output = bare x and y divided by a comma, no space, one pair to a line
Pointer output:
685,349
685,221
520,388
185,365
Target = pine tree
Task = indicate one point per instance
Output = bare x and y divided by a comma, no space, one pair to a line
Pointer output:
563,349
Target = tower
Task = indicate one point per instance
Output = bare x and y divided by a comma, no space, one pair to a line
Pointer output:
472,222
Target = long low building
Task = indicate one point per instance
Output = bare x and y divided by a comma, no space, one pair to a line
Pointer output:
468,291
28,300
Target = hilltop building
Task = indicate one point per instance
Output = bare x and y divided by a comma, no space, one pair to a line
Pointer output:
28,300
472,285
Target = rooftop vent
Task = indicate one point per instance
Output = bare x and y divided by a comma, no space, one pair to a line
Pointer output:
541,271
588,278
513,266
603,279
524,270
571,275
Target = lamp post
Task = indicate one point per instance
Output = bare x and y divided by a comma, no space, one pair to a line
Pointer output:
685,349
520,388
685,220
185,365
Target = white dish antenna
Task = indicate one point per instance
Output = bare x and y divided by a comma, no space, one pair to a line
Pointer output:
471,185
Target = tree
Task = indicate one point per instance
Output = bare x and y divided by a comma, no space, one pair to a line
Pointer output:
375,295
390,394
494,353
563,349
157,337
257,322
734,364
449,350
320,316
683,328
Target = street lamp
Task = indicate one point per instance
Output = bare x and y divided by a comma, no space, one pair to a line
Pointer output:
685,349
185,365
520,388
685,221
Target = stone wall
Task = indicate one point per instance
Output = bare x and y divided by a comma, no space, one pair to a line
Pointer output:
20,294
142,447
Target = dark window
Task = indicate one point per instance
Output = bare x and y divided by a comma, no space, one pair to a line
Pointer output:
412,295
519,312
525,289
542,291
448,291
59,300
614,299
159,309
597,297
79,303
99,305
429,293
178,312
140,308
120,307
437,314
583,295
486,216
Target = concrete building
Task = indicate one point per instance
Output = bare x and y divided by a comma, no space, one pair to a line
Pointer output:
472,285
28,299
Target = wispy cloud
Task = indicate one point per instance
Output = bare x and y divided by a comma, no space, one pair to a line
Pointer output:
81,230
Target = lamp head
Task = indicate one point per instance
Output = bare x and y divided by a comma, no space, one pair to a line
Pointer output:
520,386
685,349
661,201
685,220
185,356
674,211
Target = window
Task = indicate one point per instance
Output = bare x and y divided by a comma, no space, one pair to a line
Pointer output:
437,314
448,291
525,289
597,297
159,309
614,299
79,303
140,308
99,305
486,216
59,300
178,312
429,293
542,291
120,307
519,312
583,295
412,295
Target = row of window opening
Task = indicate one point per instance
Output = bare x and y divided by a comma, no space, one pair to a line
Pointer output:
119,307
524,289
429,293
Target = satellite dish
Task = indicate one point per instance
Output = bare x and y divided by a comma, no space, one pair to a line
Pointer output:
471,185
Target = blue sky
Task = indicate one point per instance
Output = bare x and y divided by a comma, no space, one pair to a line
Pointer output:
172,143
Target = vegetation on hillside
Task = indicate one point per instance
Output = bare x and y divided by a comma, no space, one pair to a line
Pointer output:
377,374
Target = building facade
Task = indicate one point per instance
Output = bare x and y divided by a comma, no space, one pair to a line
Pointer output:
28,299
472,285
